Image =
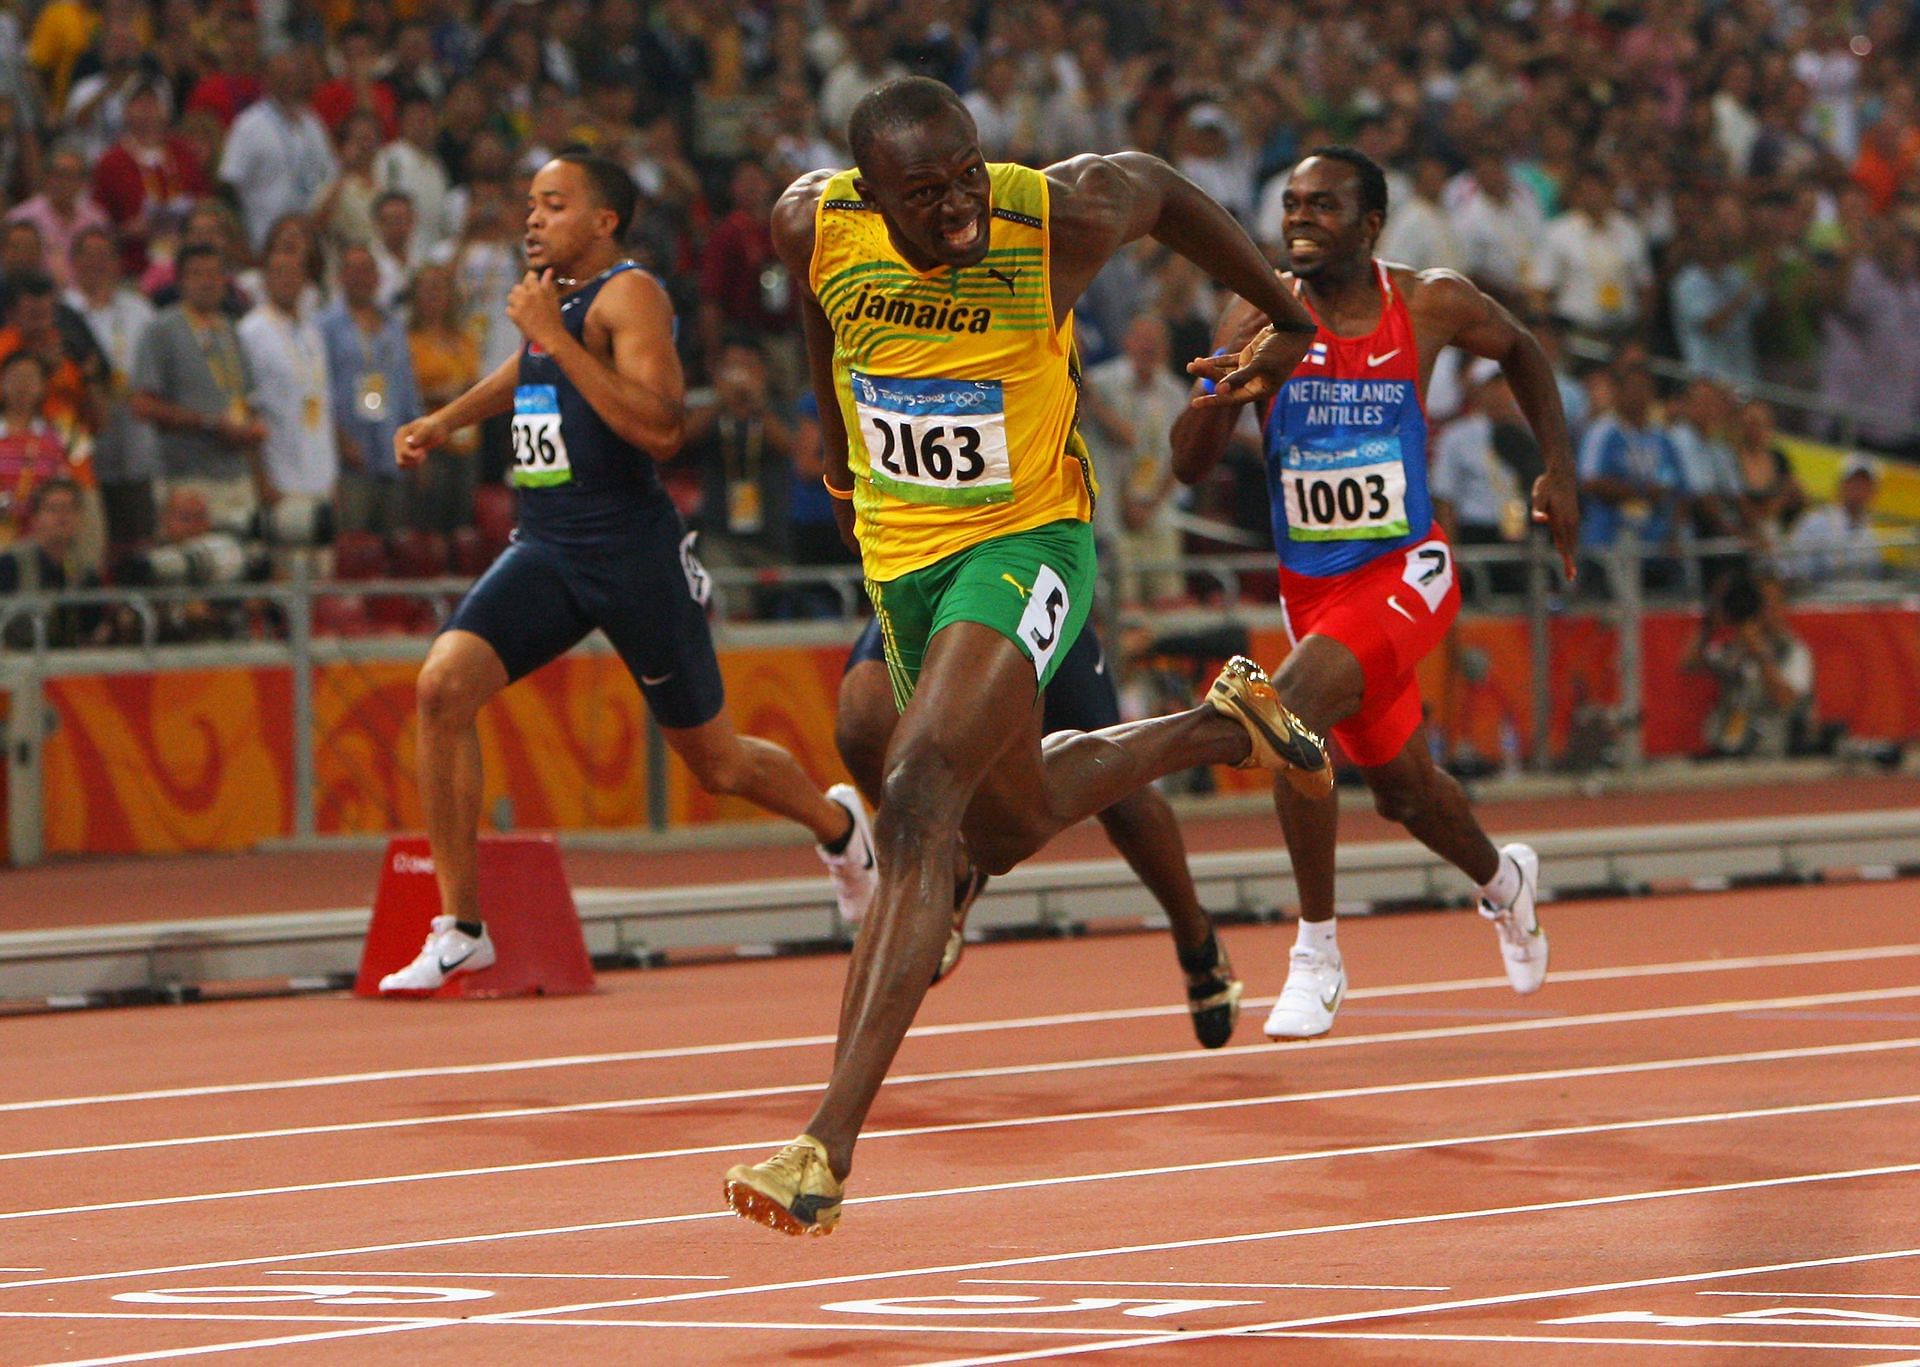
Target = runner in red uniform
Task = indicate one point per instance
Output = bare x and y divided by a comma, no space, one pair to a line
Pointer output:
1366,577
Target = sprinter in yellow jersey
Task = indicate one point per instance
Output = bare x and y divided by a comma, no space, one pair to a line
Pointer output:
937,306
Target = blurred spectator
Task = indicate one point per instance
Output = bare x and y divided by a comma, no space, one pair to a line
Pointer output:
300,455
393,246
1499,222
1715,300
816,536
61,210
865,66
126,456
75,367
343,209
239,81
1630,476
147,181
1771,498
743,450
743,284
1835,543
409,165
486,265
45,561
278,156
358,88
1484,465
446,363
1702,430
1593,267
370,368
209,224
1006,117
1132,401
96,106
1419,232
1208,152
191,380
1763,670
62,34
32,451
1870,366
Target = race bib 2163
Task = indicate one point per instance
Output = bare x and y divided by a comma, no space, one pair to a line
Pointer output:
934,441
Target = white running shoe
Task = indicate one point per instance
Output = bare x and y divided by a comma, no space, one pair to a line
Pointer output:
855,872
447,953
1316,985
1523,945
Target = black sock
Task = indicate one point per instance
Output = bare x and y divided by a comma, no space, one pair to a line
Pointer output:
840,846
1204,959
473,929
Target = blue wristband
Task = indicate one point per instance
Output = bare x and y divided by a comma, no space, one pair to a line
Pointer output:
1207,386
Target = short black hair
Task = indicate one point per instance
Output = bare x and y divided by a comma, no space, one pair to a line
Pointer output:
31,285
612,186
905,102
192,252
1373,181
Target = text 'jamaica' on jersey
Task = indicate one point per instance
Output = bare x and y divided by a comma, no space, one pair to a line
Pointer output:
958,392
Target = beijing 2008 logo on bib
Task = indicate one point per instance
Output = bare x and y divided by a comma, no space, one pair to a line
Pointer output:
934,441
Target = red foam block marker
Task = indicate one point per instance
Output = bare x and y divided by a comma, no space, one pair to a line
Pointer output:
524,899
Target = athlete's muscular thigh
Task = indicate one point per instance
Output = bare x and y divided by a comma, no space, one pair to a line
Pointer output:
974,712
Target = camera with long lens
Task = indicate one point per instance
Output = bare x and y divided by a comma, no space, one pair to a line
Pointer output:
211,558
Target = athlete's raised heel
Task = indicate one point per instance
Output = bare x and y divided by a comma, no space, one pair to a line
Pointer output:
1281,742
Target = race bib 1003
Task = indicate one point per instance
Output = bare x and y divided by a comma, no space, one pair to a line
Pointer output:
934,441
1357,494
539,451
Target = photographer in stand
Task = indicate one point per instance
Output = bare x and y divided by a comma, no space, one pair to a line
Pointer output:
1764,672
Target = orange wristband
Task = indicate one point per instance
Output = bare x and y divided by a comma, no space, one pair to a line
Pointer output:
844,495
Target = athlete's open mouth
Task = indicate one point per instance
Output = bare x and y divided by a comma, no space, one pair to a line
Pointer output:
963,238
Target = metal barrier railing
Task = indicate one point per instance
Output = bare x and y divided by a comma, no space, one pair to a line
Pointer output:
1617,598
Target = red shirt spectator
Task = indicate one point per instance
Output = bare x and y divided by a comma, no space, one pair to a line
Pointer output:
357,87
31,451
146,178
738,252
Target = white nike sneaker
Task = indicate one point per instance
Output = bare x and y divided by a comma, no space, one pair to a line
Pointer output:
1523,945
1316,985
447,953
855,872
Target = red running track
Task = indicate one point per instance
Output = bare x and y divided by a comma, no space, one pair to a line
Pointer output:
1699,1144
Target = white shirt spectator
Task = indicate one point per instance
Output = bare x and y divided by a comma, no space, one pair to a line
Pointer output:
1832,73
289,360
276,160
127,449
420,176
1499,236
1828,545
847,83
1418,234
1594,273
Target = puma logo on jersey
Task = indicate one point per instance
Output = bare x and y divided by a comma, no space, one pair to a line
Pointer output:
1004,277
1019,587
870,305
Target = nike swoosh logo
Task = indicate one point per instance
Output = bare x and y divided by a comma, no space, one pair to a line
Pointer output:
647,679
446,967
1394,603
1383,359
1330,1003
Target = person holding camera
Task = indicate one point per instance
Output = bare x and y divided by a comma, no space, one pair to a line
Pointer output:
1764,671
47,560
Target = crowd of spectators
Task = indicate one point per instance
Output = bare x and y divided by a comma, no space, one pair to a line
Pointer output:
246,239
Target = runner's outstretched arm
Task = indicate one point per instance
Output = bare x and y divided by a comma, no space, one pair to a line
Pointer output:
1200,434
489,398
1483,326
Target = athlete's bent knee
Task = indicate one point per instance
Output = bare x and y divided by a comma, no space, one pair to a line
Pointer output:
722,773
1403,804
449,694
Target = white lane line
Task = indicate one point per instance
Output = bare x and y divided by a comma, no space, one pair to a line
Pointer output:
1176,1056
959,1127
1584,1339
1267,1236
1223,1286
1820,1295
1000,1331
1861,955
245,1345
214,1315
1512,1298
543,1276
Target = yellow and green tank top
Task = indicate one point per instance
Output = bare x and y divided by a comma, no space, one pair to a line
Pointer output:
959,395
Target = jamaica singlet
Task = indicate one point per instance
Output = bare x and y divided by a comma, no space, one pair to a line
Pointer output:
959,394
578,482
1346,447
